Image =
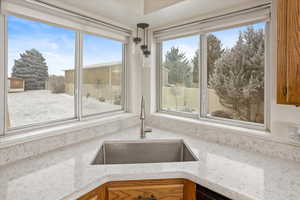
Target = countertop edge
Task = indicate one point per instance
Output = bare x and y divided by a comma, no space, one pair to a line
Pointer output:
234,195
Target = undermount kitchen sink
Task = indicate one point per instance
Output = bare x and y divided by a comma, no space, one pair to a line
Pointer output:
143,151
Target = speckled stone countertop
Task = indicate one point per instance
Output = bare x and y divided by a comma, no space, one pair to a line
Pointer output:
66,173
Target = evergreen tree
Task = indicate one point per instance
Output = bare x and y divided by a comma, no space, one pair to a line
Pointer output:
179,70
238,77
32,68
214,52
195,62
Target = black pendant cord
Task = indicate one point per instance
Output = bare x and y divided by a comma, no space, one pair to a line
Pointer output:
144,36
146,39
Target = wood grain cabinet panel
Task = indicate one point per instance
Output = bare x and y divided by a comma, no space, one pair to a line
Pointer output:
165,189
96,194
288,52
293,51
154,192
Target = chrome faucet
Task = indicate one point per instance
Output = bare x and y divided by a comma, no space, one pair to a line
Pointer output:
144,130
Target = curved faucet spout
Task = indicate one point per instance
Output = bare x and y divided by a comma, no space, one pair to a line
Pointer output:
142,115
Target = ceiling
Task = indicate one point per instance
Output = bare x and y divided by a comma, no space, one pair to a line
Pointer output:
155,12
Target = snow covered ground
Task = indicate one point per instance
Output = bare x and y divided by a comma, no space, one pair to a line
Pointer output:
38,106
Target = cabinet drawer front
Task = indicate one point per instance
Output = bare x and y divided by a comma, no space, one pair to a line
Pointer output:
155,192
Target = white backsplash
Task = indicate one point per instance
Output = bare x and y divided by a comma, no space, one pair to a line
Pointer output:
12,153
240,138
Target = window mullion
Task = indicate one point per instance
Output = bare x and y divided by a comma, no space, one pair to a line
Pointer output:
203,76
267,72
78,75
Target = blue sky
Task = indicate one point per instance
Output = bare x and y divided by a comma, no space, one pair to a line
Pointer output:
189,45
57,45
97,50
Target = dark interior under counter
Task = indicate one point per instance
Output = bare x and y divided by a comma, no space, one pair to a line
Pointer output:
207,194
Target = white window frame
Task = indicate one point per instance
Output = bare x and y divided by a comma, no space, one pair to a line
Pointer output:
2,71
78,65
203,114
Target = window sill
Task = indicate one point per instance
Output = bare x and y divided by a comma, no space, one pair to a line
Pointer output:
156,119
42,133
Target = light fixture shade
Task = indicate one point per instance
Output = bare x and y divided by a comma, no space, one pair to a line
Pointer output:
147,53
137,40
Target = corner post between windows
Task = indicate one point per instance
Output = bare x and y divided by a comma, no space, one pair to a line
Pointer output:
124,82
158,76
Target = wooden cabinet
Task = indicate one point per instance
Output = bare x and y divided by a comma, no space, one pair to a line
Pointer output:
96,194
167,189
288,52
152,192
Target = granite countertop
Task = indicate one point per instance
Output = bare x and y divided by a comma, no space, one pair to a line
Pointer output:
66,173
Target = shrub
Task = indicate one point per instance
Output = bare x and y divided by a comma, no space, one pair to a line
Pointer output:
117,100
102,99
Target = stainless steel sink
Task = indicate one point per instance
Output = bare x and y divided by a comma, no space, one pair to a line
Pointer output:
143,151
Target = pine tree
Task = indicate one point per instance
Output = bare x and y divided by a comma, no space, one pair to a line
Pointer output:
214,52
179,70
32,68
195,62
238,77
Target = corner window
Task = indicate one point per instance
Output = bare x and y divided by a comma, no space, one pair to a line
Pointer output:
38,55
57,75
226,69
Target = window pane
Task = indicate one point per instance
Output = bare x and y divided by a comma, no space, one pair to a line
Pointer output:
101,88
180,82
38,55
236,63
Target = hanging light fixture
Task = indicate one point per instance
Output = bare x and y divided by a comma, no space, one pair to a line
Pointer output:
145,46
137,39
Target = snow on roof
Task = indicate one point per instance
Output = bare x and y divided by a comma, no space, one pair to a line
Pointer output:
98,65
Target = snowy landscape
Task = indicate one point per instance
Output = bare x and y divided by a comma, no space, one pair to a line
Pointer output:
31,107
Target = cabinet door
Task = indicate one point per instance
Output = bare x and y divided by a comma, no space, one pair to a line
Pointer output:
293,51
152,192
282,52
288,52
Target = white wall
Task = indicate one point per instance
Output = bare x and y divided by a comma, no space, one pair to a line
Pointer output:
281,116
